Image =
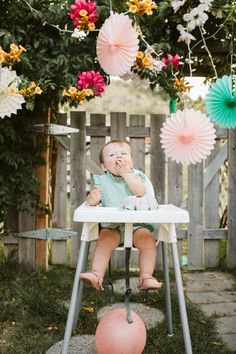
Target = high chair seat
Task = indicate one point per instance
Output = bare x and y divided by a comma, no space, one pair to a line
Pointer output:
166,216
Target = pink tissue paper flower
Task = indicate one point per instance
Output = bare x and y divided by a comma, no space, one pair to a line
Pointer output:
75,11
170,59
92,80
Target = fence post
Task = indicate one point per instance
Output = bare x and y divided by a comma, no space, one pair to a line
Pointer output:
157,167
211,215
42,219
59,218
77,176
195,208
231,257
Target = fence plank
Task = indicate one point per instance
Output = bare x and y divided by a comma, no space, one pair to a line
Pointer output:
118,126
59,218
231,261
175,191
135,132
195,208
27,245
157,158
214,165
138,144
175,183
93,167
9,242
98,121
216,234
102,132
211,212
157,168
77,176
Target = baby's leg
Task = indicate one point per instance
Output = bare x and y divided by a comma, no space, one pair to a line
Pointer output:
146,244
107,242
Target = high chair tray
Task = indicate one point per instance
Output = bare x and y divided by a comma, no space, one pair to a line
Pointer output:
166,213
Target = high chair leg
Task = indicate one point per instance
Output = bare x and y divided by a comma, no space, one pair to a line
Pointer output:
167,288
74,305
81,288
180,293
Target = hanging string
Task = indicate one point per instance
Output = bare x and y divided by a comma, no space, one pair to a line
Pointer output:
208,52
232,60
110,4
232,71
189,58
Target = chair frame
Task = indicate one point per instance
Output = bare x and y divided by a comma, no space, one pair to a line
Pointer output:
166,216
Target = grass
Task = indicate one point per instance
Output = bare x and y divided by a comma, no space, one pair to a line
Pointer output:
33,314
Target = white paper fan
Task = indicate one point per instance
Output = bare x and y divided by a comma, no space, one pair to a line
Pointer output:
9,102
117,45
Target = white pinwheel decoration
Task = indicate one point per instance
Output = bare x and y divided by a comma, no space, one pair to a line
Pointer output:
10,102
117,45
188,136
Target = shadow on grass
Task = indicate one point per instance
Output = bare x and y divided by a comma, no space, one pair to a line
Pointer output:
33,313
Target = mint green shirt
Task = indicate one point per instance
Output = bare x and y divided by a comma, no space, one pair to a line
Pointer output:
114,192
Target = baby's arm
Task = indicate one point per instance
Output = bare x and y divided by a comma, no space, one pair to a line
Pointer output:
94,196
135,184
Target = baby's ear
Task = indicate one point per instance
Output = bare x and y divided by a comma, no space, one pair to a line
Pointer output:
103,167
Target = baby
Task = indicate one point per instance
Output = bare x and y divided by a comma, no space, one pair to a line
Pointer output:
120,181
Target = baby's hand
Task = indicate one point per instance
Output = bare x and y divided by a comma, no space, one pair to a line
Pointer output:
123,168
94,196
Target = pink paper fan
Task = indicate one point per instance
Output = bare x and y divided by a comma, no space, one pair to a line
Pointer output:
188,136
117,45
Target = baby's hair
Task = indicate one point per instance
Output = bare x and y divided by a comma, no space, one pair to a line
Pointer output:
111,142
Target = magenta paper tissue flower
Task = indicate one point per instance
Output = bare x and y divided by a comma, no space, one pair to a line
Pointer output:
170,59
83,14
92,80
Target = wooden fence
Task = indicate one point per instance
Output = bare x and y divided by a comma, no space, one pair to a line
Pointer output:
197,188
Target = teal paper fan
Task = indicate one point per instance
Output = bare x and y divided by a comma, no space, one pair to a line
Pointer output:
221,102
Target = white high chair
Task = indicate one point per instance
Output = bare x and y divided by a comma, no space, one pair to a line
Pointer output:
166,216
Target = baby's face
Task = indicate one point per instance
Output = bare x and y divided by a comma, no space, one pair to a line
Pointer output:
114,154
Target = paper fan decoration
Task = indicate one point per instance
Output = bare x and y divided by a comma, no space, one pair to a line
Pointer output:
188,136
10,102
221,102
117,45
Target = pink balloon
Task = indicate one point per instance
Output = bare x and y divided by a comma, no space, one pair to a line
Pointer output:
114,335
